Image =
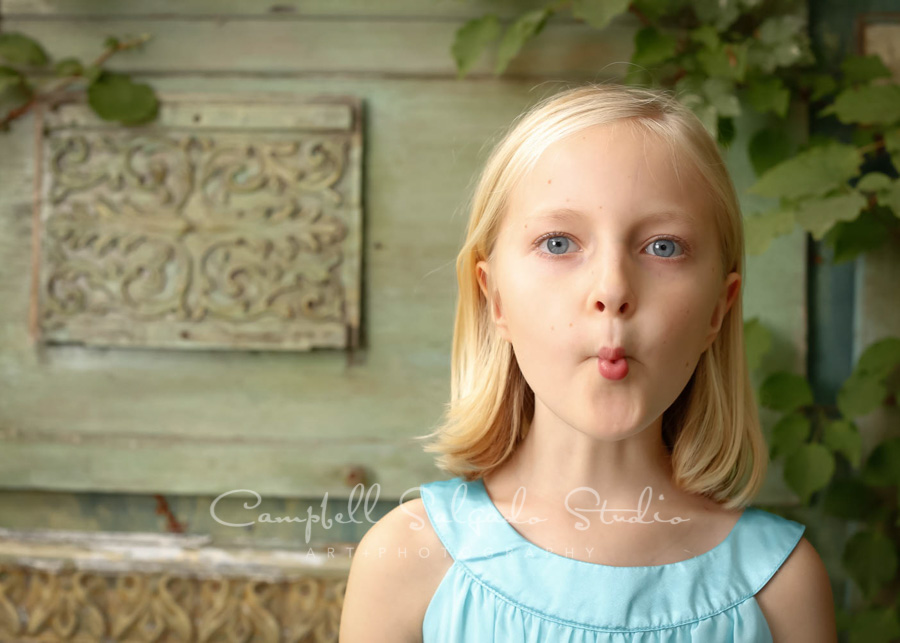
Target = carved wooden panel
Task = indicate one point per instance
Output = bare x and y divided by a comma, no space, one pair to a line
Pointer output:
228,223
148,588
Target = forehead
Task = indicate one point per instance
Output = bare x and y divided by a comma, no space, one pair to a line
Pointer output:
615,169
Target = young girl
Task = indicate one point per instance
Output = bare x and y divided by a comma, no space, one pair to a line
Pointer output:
603,431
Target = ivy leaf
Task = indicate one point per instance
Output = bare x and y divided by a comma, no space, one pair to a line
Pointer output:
869,104
781,43
471,39
860,394
820,85
890,198
874,182
114,97
883,464
707,36
842,436
655,9
10,79
652,46
871,560
783,391
808,469
720,92
851,499
19,49
757,342
813,172
862,69
769,147
769,94
598,13
849,239
68,67
892,143
788,434
720,13
760,229
880,359
818,216
527,26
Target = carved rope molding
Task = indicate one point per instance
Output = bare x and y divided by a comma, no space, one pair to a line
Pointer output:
228,223
147,588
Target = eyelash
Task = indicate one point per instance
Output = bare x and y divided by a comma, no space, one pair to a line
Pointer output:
550,235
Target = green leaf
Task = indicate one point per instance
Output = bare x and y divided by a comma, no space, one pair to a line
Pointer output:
111,42
471,40
10,79
874,182
892,144
788,434
783,391
874,625
652,46
890,198
68,67
813,172
820,85
870,559
656,9
114,97
769,147
849,239
726,61
92,73
819,215
527,26
880,359
762,228
883,464
598,13
782,43
720,13
851,499
860,394
862,69
769,95
720,93
19,49
842,436
869,104
808,469
707,36
757,342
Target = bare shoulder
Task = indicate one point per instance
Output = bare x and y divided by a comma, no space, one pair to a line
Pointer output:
394,572
797,601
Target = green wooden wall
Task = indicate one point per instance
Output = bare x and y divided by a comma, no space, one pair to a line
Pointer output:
89,437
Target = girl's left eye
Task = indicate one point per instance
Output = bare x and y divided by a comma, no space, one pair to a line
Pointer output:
663,244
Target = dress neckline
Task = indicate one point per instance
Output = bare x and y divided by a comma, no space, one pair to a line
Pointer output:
510,534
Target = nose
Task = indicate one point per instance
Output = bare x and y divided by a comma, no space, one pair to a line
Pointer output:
611,291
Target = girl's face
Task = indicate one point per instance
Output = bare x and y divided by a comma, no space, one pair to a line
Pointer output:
630,259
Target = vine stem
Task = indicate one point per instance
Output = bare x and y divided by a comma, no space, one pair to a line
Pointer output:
23,109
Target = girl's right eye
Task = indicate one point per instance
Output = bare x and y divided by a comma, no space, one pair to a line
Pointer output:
557,245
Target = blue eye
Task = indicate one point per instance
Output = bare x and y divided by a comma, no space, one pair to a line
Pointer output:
559,242
665,244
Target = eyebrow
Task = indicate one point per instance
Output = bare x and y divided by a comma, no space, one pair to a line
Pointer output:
564,215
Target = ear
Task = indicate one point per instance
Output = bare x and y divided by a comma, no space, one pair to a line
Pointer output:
729,293
494,303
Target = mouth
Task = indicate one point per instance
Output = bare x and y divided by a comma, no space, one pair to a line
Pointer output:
613,369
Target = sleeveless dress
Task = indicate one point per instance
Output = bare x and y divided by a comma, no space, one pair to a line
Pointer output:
503,587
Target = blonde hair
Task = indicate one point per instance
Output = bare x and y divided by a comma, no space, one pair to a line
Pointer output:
712,429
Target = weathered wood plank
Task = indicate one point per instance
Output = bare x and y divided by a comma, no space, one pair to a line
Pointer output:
277,9
384,47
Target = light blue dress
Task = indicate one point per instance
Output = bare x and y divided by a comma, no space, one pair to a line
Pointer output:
502,587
